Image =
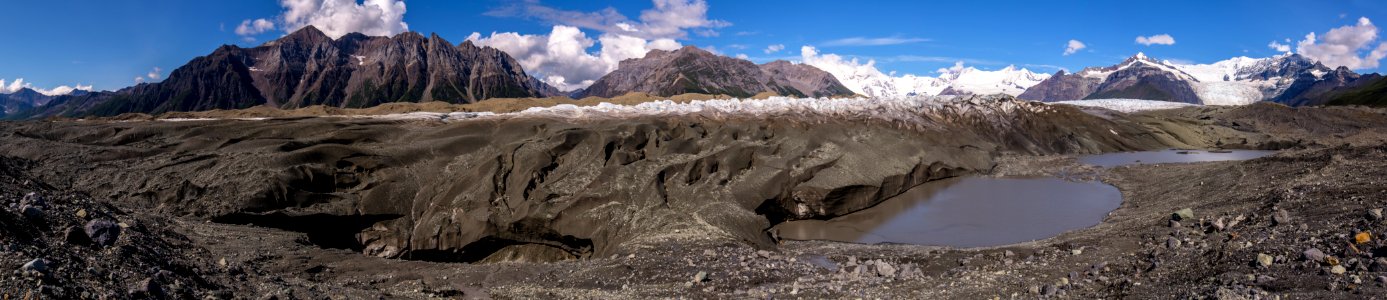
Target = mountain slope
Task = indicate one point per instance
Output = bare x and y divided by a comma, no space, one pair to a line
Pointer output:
308,68
694,70
1373,92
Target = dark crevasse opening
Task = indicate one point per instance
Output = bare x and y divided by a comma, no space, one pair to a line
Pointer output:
323,230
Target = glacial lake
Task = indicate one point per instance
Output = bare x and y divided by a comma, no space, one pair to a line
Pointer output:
969,212
1110,160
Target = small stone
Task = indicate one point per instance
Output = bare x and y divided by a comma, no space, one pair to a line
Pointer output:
1362,237
34,199
1337,270
74,235
1264,279
147,288
1281,217
31,212
1076,251
82,213
38,266
699,278
102,232
1375,214
710,252
1314,255
885,269
1379,265
222,263
630,256
1333,261
1174,224
763,253
1264,260
1218,224
1183,214
1382,279
1172,242
1034,289
1049,290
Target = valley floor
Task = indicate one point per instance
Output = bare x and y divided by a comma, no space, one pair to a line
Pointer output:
1253,224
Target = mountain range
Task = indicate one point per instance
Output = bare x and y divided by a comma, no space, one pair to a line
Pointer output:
308,68
1290,79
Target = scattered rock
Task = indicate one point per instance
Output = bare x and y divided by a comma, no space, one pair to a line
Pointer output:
1337,270
74,235
1218,224
102,232
1281,217
1382,279
1172,242
1174,223
1182,215
37,266
1264,260
710,252
822,262
1076,251
1379,265
31,212
82,213
1049,290
34,199
1375,214
1264,279
147,288
1314,255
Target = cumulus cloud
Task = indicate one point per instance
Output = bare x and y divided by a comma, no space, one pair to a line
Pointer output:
1073,47
561,58
1159,39
333,17
1278,46
1345,46
774,48
19,84
877,41
249,28
742,56
668,19
153,75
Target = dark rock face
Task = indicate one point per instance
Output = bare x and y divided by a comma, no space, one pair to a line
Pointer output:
805,80
308,68
1309,89
102,232
1061,87
1373,92
1143,81
23,99
694,70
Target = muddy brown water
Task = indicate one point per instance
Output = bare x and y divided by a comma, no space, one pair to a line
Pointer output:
969,212
1109,160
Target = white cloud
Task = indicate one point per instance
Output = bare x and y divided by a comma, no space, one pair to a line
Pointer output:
249,28
153,75
866,41
669,19
1159,39
334,18
19,84
561,59
1278,46
864,77
1343,46
774,48
1073,47
742,56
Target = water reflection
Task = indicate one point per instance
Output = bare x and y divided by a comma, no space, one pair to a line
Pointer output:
969,212
1170,156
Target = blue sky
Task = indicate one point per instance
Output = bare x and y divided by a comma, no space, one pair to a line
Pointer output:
109,43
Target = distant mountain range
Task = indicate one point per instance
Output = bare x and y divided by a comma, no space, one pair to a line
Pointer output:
694,70
1289,79
308,68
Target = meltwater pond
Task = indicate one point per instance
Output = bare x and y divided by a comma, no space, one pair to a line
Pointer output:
969,212
1170,156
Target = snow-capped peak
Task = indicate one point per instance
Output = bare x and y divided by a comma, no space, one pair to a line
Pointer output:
864,78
